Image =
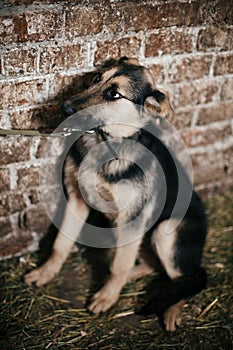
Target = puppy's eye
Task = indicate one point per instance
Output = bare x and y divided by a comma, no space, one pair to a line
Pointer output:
112,94
97,79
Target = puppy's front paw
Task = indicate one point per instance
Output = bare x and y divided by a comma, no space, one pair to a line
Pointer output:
173,316
39,276
103,300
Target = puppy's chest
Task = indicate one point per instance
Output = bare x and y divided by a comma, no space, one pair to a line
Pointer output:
106,183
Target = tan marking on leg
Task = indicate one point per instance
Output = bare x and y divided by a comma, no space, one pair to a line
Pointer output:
173,316
123,262
164,243
70,229
143,269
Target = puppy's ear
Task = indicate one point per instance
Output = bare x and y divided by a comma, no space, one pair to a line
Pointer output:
158,102
129,60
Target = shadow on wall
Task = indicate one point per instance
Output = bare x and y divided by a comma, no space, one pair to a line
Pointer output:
50,115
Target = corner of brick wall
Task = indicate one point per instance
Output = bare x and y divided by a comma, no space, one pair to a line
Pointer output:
45,45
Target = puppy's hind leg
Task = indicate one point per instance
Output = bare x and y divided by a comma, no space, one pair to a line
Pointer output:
180,254
76,214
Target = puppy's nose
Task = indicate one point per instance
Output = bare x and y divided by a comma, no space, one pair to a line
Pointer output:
67,110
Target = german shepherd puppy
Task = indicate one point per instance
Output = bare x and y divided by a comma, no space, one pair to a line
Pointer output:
124,89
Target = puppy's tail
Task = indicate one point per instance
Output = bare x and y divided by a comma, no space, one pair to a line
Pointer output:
174,291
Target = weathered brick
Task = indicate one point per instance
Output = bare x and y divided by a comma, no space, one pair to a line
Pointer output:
46,116
54,59
169,41
197,137
223,64
138,16
20,61
220,12
182,119
15,243
4,180
28,2
209,114
28,177
212,38
192,93
11,203
14,149
208,166
50,147
21,119
123,47
33,118
33,196
5,227
158,72
36,218
83,20
7,31
227,159
32,25
227,88
22,93
190,68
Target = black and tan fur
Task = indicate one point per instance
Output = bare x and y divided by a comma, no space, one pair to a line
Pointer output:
122,87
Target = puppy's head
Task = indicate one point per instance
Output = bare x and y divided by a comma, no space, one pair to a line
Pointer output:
124,84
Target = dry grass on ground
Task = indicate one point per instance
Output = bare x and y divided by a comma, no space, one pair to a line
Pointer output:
54,317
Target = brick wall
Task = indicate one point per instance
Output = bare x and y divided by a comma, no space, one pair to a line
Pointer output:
46,44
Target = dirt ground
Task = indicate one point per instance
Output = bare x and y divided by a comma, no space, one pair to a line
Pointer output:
55,317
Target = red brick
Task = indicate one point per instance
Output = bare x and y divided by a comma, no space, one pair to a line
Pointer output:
28,2
32,25
4,180
21,119
14,149
20,61
33,118
83,20
54,59
124,47
23,93
208,166
138,16
227,88
5,227
50,147
219,12
36,218
158,72
28,177
213,38
227,159
169,41
33,196
11,203
7,30
15,243
209,114
182,119
197,137
190,68
223,64
190,94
